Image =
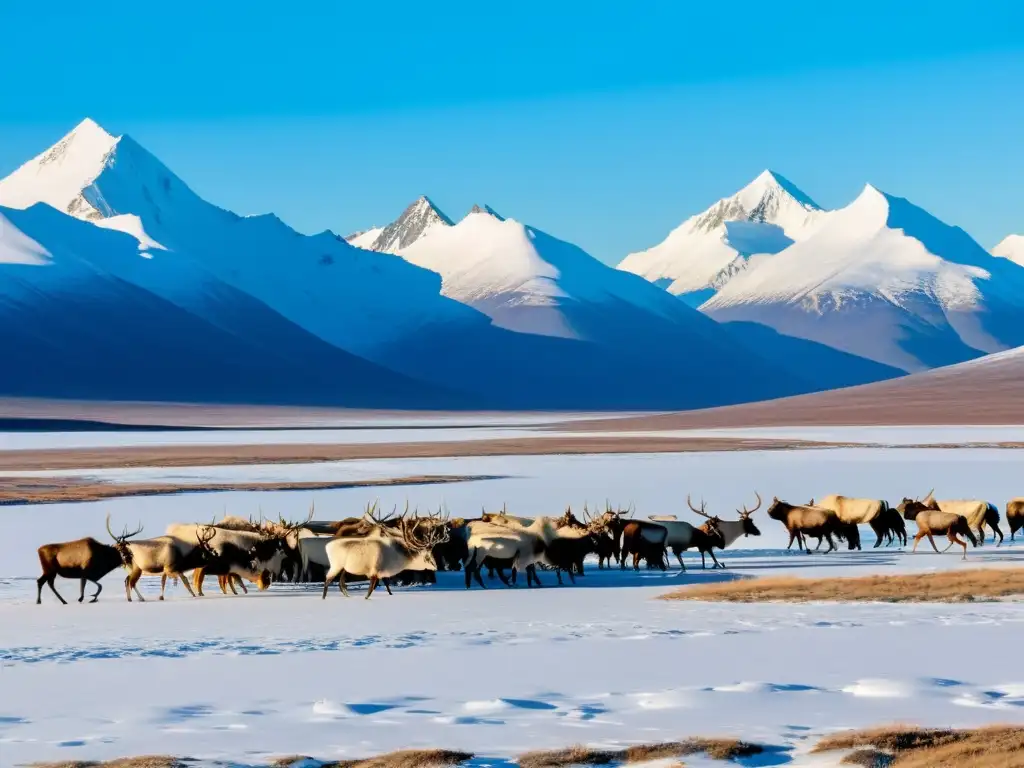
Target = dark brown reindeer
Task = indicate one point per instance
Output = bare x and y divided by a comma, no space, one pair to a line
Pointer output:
85,559
805,520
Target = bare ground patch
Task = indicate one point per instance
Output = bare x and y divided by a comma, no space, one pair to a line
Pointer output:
946,586
221,455
911,747
48,490
143,761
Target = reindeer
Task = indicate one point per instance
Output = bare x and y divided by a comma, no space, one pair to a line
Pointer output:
380,557
166,555
85,559
873,512
805,520
932,521
1015,515
979,513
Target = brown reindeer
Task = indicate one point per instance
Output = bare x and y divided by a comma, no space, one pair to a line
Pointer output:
85,559
1015,515
805,520
934,521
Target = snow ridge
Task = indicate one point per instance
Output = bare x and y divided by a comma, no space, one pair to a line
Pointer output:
708,250
884,279
1012,248
416,221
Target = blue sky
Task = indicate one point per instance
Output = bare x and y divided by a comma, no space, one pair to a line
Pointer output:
604,124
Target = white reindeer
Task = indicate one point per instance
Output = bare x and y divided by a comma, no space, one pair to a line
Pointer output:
379,557
166,555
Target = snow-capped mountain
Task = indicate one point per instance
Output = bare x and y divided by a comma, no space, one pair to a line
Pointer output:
79,321
245,289
528,281
707,250
350,298
364,239
488,210
885,280
418,220
1011,248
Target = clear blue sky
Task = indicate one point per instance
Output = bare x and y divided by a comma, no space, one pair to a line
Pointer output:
605,124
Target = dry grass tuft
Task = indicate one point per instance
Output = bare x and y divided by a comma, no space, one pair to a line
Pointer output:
717,749
407,758
911,747
142,761
947,586
289,760
868,758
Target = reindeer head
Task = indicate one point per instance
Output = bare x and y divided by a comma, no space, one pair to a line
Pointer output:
204,535
777,509
121,542
749,529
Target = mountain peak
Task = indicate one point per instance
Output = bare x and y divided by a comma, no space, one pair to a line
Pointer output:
416,221
486,210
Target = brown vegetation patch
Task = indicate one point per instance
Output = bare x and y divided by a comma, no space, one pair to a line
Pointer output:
718,749
407,758
946,586
910,747
143,761
47,490
220,455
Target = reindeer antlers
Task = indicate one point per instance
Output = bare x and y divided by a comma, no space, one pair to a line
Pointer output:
748,512
124,534
700,511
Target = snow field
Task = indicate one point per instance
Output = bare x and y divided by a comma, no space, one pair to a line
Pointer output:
501,671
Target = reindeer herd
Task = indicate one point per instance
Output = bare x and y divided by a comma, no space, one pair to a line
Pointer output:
408,549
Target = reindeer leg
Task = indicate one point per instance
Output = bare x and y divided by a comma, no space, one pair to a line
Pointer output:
184,581
504,579
134,578
932,540
997,532
53,588
715,559
331,576
81,595
241,583
572,579
99,588
197,578
127,588
954,539
373,586
163,584
341,583
387,586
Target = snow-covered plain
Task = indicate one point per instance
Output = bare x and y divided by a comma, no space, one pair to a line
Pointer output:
502,671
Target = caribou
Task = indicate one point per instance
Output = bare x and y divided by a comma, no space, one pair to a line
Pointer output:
873,512
978,513
166,555
805,520
931,521
1015,515
381,557
85,559
715,533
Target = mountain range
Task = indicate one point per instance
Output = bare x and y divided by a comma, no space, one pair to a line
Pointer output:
117,281
156,293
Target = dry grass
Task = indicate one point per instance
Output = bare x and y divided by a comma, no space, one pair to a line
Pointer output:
143,761
947,586
49,490
911,747
407,758
718,749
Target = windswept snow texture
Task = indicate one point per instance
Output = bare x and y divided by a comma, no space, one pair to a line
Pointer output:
1011,248
707,250
364,239
884,280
